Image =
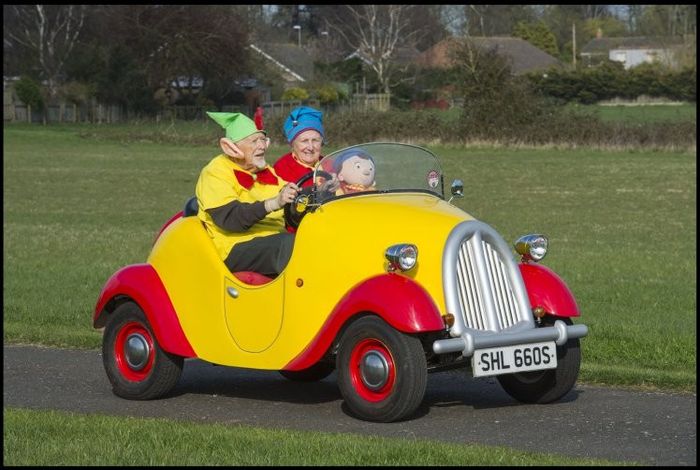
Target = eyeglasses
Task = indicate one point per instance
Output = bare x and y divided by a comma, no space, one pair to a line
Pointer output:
260,141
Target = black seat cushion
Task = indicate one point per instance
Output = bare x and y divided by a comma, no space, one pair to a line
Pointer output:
191,207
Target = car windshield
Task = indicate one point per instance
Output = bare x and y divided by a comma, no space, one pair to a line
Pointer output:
379,166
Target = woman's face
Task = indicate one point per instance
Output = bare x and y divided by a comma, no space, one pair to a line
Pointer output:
307,147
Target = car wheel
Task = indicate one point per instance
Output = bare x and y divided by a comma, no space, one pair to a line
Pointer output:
549,385
316,372
382,373
136,366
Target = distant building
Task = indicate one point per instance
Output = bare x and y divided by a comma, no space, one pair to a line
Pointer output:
294,64
522,56
633,51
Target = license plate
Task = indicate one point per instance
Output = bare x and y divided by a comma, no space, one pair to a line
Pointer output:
510,359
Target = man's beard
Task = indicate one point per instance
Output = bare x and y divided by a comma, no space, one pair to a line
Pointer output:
259,164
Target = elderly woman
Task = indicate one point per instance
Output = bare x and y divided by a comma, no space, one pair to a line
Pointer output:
304,131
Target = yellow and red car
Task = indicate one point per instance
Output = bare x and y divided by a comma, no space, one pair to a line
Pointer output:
383,286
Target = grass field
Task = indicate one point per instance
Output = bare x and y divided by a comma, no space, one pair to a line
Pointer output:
38,438
80,203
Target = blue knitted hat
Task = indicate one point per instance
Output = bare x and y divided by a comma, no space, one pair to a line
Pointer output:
302,119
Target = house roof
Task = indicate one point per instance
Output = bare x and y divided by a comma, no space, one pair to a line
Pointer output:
523,56
402,54
604,45
290,58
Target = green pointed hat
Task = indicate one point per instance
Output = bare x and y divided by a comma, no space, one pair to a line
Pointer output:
238,126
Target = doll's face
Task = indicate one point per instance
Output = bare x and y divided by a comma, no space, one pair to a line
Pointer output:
357,170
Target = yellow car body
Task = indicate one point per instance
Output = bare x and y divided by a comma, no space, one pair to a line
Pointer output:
343,302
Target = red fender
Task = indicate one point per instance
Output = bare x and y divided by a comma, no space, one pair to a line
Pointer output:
170,221
547,290
141,283
398,300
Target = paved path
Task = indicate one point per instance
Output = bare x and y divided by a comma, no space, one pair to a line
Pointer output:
597,422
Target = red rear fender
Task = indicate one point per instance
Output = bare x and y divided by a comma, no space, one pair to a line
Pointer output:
141,283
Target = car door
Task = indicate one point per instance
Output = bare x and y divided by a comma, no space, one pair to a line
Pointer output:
253,312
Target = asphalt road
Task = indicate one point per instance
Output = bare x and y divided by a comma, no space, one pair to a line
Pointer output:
645,427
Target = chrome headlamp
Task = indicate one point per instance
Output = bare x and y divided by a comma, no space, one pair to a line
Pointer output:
402,256
532,247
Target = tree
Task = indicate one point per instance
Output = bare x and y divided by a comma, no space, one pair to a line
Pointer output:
167,45
376,32
538,35
48,33
668,20
496,20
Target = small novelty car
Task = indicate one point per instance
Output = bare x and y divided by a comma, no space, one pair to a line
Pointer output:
385,284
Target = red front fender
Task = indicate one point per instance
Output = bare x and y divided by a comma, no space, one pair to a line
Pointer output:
398,300
547,290
141,283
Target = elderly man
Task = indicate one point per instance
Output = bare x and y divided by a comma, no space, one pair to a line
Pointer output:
240,199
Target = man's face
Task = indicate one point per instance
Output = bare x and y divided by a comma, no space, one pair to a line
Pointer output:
307,147
253,148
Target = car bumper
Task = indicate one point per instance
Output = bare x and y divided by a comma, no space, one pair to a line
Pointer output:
467,343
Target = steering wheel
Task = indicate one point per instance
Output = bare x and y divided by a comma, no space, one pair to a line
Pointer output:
292,217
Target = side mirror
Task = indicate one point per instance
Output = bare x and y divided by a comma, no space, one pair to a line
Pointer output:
457,189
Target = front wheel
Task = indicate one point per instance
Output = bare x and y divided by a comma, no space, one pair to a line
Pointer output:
548,385
382,373
136,366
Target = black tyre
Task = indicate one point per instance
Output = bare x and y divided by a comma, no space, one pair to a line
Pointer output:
382,373
136,366
549,385
316,372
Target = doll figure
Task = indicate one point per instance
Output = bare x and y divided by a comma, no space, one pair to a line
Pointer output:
355,172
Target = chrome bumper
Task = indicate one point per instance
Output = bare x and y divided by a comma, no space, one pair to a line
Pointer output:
467,343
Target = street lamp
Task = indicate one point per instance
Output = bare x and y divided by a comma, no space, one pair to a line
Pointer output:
298,28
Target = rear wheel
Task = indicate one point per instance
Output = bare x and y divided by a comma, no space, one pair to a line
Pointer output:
136,366
382,373
549,385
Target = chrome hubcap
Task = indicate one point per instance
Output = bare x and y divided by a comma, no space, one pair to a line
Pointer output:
374,370
136,351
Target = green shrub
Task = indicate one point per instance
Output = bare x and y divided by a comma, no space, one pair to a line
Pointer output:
327,94
295,93
610,80
29,91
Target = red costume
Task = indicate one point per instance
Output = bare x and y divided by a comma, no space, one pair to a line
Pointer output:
290,169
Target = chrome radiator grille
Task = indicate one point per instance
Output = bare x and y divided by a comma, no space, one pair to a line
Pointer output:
473,297
483,284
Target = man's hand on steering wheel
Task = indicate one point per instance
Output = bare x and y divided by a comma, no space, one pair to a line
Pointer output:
292,217
286,195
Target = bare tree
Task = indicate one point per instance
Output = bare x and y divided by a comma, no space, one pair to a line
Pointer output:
50,32
377,32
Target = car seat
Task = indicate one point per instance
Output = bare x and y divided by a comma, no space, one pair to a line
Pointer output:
247,277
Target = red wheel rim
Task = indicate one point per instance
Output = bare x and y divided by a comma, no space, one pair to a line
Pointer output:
372,370
134,352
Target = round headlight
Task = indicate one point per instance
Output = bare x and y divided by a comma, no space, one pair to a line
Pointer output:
403,256
532,247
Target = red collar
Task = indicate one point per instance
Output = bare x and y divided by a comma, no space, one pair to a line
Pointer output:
263,177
